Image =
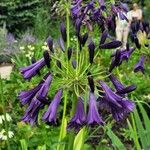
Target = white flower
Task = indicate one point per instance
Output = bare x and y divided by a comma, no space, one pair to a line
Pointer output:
2,118
3,135
21,47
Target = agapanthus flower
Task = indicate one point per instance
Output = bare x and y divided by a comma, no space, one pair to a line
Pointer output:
115,61
30,71
32,111
140,65
111,45
117,105
120,88
91,47
79,118
50,115
50,44
93,116
47,58
33,60
26,96
104,37
63,32
31,114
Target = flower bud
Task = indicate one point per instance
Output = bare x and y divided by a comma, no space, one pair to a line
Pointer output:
47,58
50,44
63,32
69,53
91,47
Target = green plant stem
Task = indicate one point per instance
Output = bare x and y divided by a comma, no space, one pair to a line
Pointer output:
4,111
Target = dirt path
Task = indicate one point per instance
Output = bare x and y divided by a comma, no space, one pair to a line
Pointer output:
5,71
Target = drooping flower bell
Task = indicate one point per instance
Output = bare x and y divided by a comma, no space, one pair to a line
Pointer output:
79,118
140,65
30,71
120,88
50,115
117,105
93,116
32,111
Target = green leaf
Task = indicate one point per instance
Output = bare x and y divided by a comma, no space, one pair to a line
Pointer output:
117,144
24,145
79,140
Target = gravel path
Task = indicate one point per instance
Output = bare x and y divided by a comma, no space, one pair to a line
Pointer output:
5,71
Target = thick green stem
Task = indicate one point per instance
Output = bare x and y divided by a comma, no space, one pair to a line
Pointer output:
4,111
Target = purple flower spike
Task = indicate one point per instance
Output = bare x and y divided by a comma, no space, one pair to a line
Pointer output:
103,37
30,71
111,45
63,32
102,4
79,117
93,115
26,96
50,115
140,65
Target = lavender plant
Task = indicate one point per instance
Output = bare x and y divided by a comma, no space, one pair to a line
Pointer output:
76,76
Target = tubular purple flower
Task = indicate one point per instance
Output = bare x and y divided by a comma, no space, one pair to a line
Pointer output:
31,114
47,58
93,116
140,65
115,61
91,47
117,84
120,88
79,117
50,115
33,60
45,87
26,96
63,32
30,71
103,37
111,45
50,44
78,24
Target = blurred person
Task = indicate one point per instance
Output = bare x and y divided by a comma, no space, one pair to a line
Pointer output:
122,26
